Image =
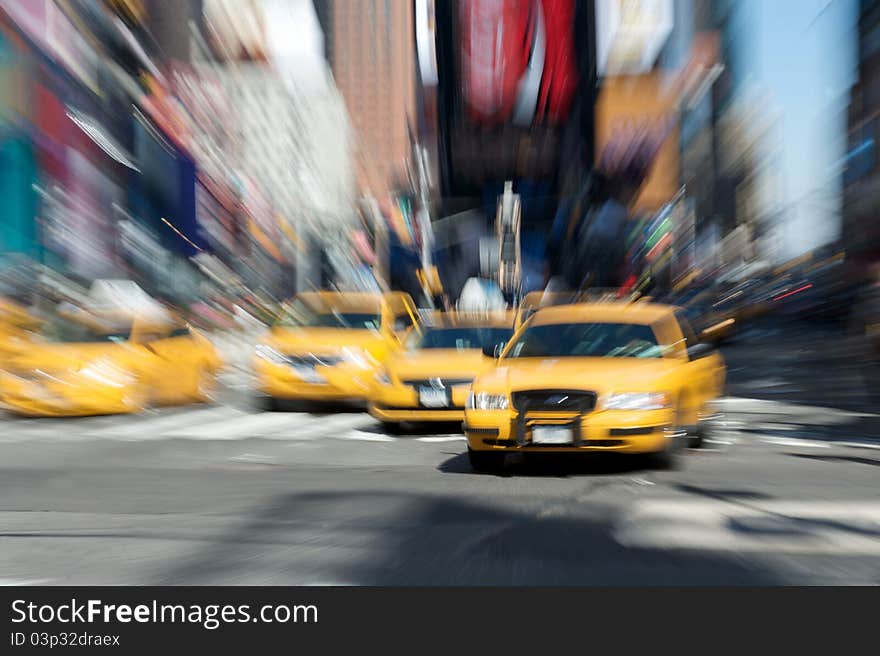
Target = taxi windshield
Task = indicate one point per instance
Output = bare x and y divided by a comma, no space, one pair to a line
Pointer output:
606,340
461,338
62,330
301,315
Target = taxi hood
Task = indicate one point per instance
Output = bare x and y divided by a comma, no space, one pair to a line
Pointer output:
590,373
52,357
439,362
322,340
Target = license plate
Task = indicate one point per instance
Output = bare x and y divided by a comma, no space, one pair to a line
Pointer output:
431,397
552,435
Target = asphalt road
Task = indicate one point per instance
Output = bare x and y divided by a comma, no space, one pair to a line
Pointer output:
788,492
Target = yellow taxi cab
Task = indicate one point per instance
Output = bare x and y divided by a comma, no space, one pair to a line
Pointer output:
88,364
17,325
603,377
431,378
325,346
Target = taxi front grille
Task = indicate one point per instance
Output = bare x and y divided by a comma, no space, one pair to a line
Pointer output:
433,382
554,400
313,360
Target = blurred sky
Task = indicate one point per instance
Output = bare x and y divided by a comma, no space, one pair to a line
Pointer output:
802,53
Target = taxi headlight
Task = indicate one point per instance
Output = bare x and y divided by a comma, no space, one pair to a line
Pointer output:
638,401
106,372
266,352
486,401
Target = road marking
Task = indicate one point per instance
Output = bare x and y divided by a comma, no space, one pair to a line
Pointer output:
254,458
773,427
364,437
145,426
819,527
15,582
245,425
806,444
859,445
319,427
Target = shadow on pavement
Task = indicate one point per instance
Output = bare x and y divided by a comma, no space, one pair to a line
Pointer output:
365,537
555,465
722,494
416,429
873,462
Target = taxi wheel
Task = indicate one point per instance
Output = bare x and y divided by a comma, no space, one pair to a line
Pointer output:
393,427
670,457
269,404
486,462
696,435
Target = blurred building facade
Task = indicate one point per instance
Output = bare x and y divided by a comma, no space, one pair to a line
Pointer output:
371,48
861,231
174,142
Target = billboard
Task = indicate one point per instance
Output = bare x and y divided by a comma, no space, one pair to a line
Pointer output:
637,135
630,34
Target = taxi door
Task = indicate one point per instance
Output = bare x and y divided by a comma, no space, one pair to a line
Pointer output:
190,362
702,367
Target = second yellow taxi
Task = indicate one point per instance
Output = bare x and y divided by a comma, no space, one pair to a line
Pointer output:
326,345
430,379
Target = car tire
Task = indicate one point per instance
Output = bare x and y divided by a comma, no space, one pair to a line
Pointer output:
485,462
695,436
670,457
393,427
269,404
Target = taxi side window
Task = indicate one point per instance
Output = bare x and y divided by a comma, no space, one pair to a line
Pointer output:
403,322
182,331
147,337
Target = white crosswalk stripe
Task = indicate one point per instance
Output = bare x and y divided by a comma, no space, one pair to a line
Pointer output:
197,422
148,426
230,428
819,527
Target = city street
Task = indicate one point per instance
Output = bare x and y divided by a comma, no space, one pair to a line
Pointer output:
785,493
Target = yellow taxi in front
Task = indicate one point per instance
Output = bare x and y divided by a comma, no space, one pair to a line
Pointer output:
431,378
605,377
326,346
91,365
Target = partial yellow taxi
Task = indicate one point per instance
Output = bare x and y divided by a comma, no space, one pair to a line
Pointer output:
103,364
603,377
326,346
17,327
431,378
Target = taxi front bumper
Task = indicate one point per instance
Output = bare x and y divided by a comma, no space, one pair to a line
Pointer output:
621,431
45,398
336,383
400,402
